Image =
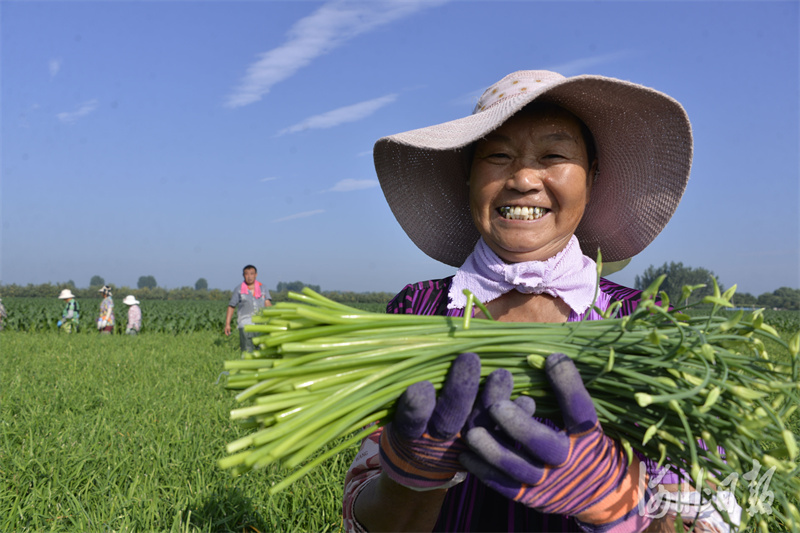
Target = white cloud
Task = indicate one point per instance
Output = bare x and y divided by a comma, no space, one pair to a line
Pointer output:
350,184
268,179
570,68
54,66
300,215
84,109
317,34
469,99
342,115
581,65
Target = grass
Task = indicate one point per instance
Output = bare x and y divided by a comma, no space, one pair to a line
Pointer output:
123,434
120,433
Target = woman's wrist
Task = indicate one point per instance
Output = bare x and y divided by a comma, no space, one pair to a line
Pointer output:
385,505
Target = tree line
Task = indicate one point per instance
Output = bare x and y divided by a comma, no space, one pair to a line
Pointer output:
677,274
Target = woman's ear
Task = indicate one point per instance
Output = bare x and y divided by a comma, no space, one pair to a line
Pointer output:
594,170
468,152
591,177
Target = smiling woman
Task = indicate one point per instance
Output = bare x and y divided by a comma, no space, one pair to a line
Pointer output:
521,195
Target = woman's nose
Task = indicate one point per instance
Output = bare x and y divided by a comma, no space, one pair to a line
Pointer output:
526,179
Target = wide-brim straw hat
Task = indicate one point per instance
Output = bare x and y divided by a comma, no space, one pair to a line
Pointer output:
65,294
644,150
130,300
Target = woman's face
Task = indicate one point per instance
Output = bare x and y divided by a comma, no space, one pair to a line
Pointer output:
529,184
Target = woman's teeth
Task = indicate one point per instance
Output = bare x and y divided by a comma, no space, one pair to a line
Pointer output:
522,213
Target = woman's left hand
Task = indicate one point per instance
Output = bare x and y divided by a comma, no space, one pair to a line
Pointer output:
578,471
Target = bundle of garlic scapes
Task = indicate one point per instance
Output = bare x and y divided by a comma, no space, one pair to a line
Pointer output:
662,382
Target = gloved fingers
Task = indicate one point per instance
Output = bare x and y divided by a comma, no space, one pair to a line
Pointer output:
456,397
414,410
540,441
498,387
527,404
576,405
490,459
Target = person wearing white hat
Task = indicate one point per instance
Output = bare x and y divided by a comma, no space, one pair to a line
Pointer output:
134,315
519,197
105,322
71,313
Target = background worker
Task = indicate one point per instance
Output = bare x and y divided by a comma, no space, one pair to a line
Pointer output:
105,322
134,315
71,312
247,299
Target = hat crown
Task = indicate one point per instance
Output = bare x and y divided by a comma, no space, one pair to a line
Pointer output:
519,83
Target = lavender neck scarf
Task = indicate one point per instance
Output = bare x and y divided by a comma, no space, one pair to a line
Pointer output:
568,275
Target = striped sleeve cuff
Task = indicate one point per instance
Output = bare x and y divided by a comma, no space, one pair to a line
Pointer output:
621,514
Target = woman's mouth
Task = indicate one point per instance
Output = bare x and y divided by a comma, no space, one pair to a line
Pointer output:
521,212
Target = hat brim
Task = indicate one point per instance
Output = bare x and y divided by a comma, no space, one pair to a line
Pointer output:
644,149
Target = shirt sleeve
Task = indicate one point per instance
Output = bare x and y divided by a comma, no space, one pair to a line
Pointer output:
364,468
235,298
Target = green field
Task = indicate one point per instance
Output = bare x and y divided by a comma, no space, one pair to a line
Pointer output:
112,433
158,316
124,433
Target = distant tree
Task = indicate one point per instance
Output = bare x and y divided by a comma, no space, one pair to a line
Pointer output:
768,300
783,298
790,297
295,286
182,293
97,281
66,285
148,282
744,299
678,276
201,285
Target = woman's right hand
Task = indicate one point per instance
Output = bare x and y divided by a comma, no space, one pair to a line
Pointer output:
578,471
419,449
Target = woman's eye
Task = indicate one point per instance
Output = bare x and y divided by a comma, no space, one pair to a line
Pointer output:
499,155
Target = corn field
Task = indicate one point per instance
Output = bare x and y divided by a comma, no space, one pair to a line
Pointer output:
160,316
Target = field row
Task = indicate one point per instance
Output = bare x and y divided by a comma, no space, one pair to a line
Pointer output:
124,434
187,316
159,316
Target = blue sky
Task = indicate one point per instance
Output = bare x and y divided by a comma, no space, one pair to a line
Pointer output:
187,139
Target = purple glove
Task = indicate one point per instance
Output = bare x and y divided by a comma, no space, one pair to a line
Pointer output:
498,387
579,471
420,447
